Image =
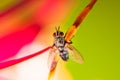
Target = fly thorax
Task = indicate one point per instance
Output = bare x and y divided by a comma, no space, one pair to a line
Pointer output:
59,42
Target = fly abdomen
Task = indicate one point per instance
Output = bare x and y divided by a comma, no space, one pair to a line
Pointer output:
64,55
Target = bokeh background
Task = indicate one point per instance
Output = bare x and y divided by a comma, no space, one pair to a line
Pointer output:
26,26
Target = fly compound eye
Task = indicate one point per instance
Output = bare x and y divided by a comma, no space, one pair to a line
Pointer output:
54,34
61,33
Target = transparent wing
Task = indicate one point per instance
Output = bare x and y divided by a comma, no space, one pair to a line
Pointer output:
72,30
74,54
52,59
52,62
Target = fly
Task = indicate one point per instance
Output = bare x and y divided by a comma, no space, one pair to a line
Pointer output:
62,42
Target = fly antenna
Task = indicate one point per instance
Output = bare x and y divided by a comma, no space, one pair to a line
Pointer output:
57,28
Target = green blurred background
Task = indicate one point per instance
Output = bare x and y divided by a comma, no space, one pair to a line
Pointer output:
98,41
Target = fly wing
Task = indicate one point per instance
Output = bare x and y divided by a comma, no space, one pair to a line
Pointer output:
72,30
74,54
53,58
52,62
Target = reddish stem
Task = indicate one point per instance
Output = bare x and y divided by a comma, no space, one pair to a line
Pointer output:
16,61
